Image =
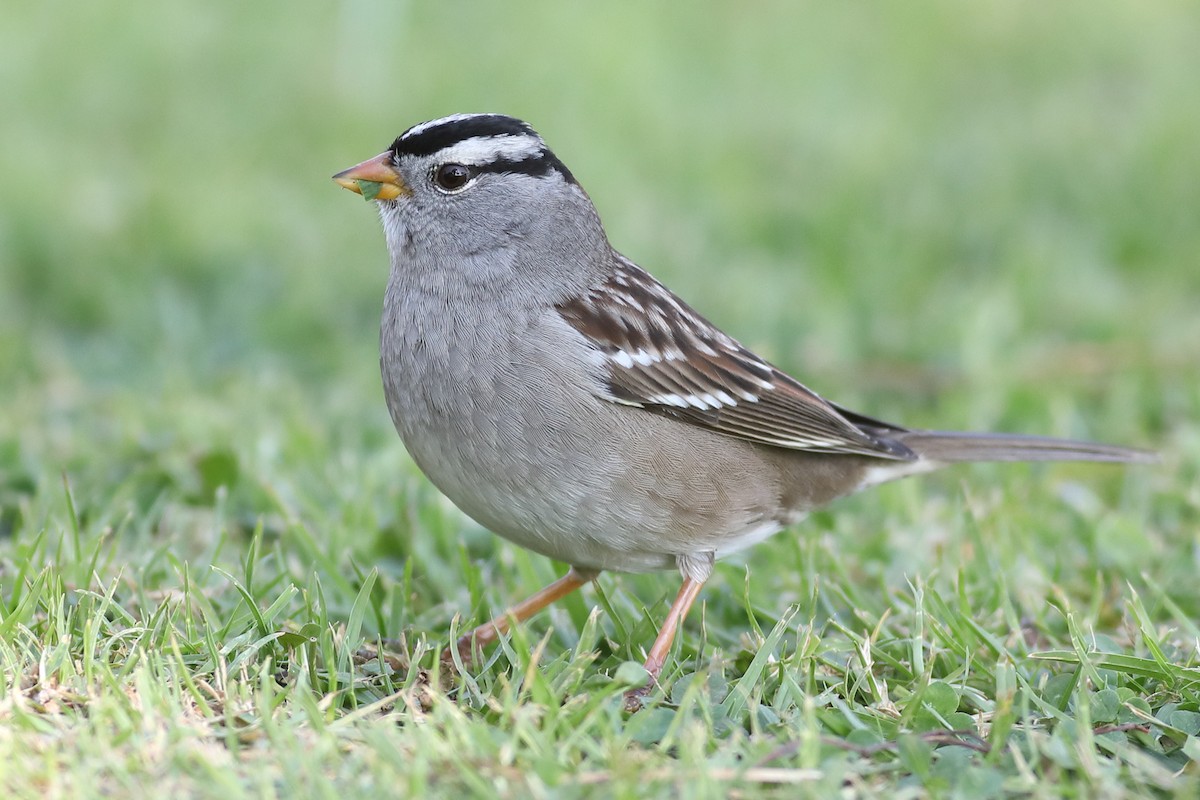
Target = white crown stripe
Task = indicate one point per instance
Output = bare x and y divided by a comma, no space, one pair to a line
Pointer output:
480,150
436,123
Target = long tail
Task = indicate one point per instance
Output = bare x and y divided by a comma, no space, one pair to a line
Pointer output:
951,446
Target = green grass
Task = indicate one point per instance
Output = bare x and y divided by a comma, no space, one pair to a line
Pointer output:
973,216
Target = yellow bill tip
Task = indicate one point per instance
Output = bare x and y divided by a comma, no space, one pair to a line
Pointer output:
374,179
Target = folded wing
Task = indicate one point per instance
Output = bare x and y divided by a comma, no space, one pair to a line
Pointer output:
662,356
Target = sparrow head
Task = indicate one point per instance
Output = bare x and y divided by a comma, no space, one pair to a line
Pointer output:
468,183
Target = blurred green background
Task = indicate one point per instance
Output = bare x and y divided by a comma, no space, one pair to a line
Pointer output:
977,215
965,215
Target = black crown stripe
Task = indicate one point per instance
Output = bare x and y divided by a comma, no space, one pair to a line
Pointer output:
539,165
433,139
438,137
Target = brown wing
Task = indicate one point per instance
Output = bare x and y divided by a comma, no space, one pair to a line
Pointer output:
664,357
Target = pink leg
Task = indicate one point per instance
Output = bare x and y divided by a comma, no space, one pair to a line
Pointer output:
490,631
662,645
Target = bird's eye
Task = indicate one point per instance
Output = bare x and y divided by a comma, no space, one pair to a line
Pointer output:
452,177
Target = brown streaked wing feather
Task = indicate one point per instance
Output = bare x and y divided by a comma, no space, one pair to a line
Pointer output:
664,357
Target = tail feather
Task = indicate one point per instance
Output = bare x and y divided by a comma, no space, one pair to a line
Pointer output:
952,446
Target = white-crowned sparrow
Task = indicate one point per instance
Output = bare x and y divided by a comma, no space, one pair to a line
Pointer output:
568,401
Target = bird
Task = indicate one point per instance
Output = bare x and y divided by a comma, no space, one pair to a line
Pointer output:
568,401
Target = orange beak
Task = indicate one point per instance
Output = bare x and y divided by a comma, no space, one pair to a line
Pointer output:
374,179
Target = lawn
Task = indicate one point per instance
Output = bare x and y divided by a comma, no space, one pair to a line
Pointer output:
221,575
